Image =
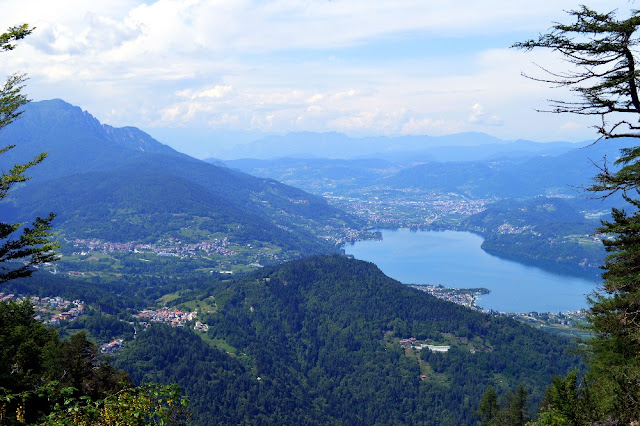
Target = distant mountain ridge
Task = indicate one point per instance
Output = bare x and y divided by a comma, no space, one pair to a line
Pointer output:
462,146
565,172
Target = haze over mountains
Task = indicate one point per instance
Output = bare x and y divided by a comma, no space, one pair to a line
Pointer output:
457,147
119,184
540,169
528,189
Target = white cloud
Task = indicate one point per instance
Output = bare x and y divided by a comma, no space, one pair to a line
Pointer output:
424,126
479,116
281,65
216,92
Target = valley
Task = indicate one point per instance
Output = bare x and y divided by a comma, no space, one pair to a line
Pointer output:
235,286
329,213
542,218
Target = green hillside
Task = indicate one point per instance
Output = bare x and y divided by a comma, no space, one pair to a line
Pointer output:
121,186
318,341
551,230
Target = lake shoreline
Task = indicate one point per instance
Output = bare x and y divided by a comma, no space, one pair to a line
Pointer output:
455,259
586,272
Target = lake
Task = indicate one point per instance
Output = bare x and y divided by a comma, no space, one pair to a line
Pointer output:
455,259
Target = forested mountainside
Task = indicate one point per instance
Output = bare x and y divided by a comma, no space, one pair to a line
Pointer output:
327,340
120,185
552,230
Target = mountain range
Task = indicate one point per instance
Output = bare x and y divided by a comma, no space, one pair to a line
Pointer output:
323,339
540,169
461,147
119,184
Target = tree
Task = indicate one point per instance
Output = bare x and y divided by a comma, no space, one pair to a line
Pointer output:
488,409
603,52
517,407
21,247
47,380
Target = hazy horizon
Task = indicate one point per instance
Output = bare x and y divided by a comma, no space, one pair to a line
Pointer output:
235,69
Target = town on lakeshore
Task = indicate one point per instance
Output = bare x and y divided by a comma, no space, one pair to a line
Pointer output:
218,253
570,322
384,206
179,248
168,247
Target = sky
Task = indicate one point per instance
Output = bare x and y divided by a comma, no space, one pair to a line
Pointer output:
188,68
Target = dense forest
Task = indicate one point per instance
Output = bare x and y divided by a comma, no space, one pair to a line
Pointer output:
317,341
551,231
47,380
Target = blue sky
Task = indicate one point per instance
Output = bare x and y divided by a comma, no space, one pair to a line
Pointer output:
360,67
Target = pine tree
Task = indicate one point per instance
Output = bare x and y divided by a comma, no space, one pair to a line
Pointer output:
602,53
488,409
21,247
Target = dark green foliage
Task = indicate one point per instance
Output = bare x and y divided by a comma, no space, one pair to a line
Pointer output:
322,333
101,327
542,229
21,247
33,356
513,410
13,34
568,402
220,386
614,363
46,379
488,409
603,50
616,316
517,407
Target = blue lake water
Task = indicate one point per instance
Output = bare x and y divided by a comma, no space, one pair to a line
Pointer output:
455,259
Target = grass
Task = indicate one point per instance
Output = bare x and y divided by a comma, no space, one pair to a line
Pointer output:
169,297
218,343
207,305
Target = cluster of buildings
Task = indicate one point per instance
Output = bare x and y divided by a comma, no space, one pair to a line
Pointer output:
464,297
507,228
200,326
569,319
51,310
296,201
112,346
169,247
341,236
6,297
412,342
173,317
401,208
